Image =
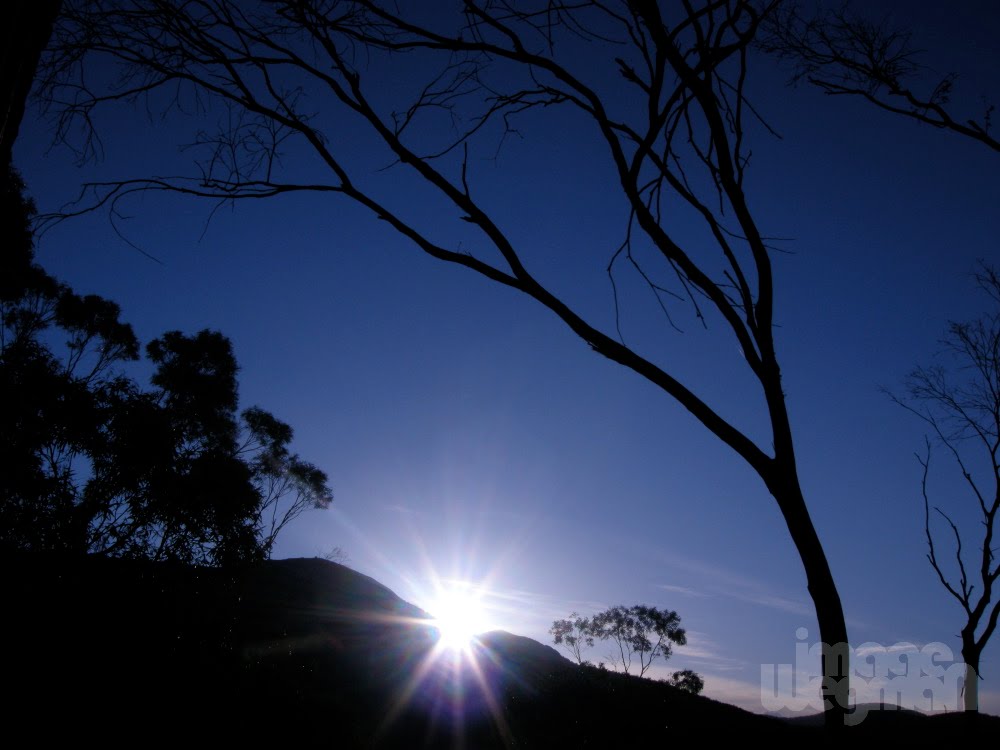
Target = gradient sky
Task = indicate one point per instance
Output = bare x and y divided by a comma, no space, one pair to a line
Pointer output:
470,436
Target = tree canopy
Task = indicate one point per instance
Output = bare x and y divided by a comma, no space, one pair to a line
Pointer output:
640,634
687,680
574,634
98,463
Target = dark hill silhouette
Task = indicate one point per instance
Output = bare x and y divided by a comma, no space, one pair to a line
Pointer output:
291,650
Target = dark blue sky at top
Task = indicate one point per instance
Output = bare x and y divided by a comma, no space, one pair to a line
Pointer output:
469,435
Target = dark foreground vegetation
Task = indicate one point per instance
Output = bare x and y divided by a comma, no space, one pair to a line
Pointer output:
121,651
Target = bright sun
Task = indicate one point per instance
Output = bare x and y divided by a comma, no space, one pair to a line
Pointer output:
458,616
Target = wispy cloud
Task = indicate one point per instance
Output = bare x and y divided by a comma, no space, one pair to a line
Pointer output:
403,509
764,599
989,701
722,582
742,693
683,590
718,581
709,655
868,649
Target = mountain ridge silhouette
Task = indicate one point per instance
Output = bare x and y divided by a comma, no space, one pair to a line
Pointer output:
307,649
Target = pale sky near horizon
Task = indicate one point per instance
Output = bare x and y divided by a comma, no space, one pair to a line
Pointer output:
470,436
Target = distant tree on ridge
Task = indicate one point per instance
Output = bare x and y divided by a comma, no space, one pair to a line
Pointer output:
640,633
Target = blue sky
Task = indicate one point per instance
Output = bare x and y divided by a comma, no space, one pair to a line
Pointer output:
470,436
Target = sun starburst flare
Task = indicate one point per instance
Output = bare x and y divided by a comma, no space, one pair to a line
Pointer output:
459,616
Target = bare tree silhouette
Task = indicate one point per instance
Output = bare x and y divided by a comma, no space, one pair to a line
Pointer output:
844,53
961,404
302,69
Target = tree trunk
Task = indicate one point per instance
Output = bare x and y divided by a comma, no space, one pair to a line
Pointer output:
970,686
29,26
782,479
826,599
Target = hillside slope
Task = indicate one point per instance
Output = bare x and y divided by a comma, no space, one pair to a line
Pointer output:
125,651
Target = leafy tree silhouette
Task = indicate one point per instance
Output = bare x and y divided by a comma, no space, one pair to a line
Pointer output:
98,464
631,629
574,635
688,681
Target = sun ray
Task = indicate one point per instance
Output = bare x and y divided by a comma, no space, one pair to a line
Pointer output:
496,712
451,684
